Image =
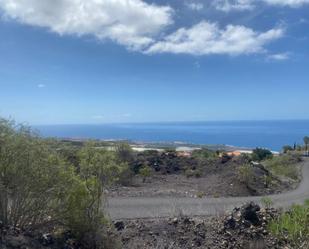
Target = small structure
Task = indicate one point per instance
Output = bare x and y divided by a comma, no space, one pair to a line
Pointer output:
238,152
184,153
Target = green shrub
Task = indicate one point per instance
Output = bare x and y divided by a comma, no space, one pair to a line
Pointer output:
145,172
293,226
32,177
124,152
245,174
125,177
284,165
260,154
83,213
246,158
200,194
267,202
287,148
102,164
38,187
204,154
193,173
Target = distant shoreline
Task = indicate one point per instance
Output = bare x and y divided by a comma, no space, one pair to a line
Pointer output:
161,146
272,135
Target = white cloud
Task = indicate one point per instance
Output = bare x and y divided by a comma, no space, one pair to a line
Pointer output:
233,5
240,5
207,38
137,25
290,3
279,57
132,23
194,6
41,85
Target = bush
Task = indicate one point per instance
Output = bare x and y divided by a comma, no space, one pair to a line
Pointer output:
245,174
200,194
287,148
145,172
267,202
101,164
260,154
124,152
293,226
193,173
204,154
32,177
39,188
284,165
83,215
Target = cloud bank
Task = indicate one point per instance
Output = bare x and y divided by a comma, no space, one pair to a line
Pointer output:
241,5
231,5
194,6
207,38
132,23
290,3
140,26
279,57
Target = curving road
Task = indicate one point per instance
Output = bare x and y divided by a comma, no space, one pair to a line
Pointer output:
139,207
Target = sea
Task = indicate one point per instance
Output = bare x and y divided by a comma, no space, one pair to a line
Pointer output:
250,134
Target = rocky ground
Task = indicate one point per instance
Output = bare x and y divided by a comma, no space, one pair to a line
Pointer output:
219,180
245,227
178,185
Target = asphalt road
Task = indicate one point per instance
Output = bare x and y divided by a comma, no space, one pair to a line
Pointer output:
139,207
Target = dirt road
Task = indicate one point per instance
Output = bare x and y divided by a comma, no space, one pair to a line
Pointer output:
129,208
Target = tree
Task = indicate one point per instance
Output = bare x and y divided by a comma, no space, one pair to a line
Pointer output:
306,142
124,152
260,154
287,148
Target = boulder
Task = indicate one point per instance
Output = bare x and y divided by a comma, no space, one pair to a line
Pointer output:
249,213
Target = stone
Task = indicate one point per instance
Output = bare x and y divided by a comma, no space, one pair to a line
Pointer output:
249,213
46,239
119,225
174,221
230,222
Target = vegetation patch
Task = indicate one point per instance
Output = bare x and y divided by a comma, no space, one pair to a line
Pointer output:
285,165
293,226
41,189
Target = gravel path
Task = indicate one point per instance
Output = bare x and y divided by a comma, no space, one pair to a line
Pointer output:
139,207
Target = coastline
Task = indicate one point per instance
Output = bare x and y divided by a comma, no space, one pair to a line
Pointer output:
141,146
235,135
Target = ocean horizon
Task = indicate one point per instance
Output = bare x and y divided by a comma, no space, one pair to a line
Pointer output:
267,134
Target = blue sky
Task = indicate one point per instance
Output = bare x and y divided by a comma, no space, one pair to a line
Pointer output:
102,61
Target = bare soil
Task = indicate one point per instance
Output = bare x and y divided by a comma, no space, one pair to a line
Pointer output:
222,180
181,186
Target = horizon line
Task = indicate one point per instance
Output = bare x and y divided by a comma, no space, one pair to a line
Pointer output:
171,122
